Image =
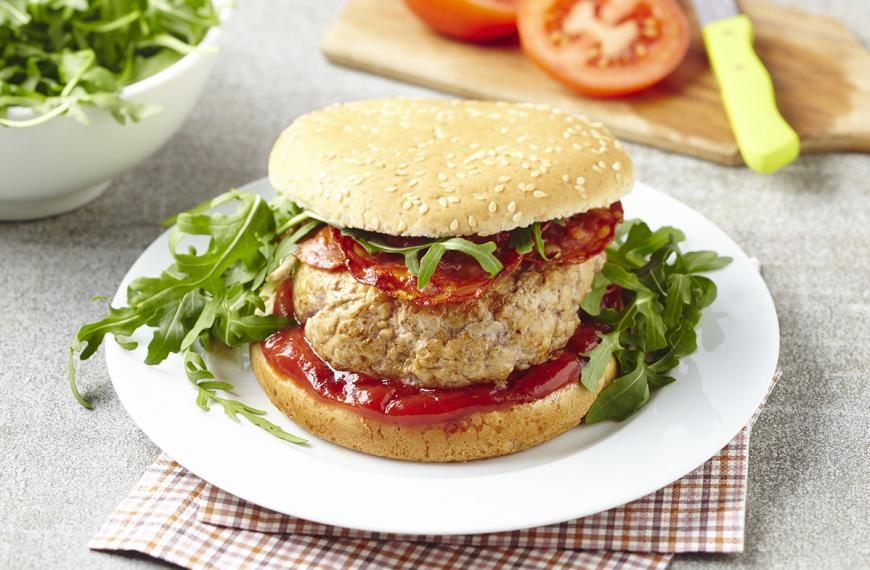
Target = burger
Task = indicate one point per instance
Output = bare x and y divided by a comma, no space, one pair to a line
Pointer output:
435,295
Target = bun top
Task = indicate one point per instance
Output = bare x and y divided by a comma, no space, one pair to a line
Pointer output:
438,168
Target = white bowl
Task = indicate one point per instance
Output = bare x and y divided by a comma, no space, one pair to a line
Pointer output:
62,164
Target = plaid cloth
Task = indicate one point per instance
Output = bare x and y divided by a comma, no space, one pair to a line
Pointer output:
173,515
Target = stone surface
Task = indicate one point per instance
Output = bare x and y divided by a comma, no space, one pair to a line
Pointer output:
63,469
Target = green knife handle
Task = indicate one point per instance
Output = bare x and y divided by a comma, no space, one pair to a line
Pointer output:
766,141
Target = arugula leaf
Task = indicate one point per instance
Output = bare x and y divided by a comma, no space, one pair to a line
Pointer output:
521,240
539,241
424,268
60,56
206,296
622,398
599,358
655,328
201,378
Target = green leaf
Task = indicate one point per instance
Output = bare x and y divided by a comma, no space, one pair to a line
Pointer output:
521,240
591,303
619,276
649,308
622,398
429,264
599,358
74,348
119,322
202,379
172,327
700,261
539,241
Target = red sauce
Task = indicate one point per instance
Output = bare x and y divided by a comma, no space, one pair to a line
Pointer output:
393,401
284,300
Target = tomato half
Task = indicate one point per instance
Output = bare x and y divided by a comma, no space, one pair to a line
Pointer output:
604,48
469,20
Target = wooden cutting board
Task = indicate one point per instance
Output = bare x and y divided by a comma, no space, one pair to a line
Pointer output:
821,74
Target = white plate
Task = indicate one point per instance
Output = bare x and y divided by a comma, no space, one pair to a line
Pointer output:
587,470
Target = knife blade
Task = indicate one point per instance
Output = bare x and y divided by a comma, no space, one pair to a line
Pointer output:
765,139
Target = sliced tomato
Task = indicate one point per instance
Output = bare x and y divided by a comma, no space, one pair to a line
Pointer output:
321,251
468,20
581,237
458,277
604,48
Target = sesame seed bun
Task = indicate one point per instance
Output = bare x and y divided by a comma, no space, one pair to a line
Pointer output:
477,436
438,168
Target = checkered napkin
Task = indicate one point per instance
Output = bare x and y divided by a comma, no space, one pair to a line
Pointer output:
175,516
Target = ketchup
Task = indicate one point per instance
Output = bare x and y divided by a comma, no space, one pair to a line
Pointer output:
399,403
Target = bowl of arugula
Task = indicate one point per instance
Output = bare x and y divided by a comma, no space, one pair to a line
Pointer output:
88,89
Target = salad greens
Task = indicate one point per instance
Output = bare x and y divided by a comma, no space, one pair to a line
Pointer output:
211,297
58,56
655,326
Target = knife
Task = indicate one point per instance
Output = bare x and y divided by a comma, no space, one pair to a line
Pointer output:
766,141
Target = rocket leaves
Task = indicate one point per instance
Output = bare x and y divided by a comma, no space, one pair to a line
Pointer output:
209,295
654,326
59,56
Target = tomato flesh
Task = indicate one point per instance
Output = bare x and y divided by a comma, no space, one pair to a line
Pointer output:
604,47
468,20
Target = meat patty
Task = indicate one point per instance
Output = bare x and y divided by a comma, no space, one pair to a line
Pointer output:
519,321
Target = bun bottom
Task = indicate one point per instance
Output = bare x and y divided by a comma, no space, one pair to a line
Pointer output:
477,436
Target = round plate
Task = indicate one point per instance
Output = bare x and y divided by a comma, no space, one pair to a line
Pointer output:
585,471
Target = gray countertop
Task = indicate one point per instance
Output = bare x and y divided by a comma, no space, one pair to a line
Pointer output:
63,469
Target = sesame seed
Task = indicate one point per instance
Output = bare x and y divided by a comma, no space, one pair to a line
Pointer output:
596,168
453,199
504,178
412,182
539,194
454,225
517,217
443,201
493,207
581,181
512,207
498,188
460,175
617,165
442,177
566,178
423,208
535,173
472,221
401,225
407,205
391,188
602,164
